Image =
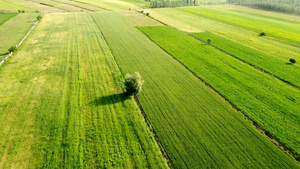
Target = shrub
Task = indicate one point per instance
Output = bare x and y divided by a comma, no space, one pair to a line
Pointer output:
292,60
23,11
147,14
133,83
19,11
208,41
263,33
11,49
39,17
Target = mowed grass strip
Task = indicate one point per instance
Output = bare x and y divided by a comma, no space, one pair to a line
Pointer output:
12,32
281,69
281,29
271,103
196,127
6,17
62,105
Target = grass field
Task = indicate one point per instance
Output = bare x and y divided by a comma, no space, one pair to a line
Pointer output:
9,6
251,39
268,101
12,32
274,66
195,125
6,17
65,108
138,19
280,29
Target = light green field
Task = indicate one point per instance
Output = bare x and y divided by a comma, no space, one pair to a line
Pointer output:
37,6
8,6
276,49
85,6
271,103
6,17
281,69
284,30
138,19
63,6
12,32
194,124
64,108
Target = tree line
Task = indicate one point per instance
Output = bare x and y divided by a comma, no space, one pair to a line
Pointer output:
181,3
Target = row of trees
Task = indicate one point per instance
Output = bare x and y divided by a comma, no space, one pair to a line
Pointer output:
181,3
287,6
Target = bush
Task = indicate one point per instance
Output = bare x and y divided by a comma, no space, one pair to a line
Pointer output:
292,60
39,17
208,41
11,49
263,33
133,83
147,14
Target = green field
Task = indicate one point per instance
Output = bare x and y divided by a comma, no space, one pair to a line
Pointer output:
269,102
12,32
281,29
9,6
251,39
6,17
195,125
233,103
65,108
272,65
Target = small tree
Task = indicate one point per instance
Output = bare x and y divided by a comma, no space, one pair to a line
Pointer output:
293,61
133,83
39,17
263,33
208,41
11,49
147,14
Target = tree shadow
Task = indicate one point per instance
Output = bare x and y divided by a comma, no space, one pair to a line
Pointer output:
110,99
4,54
289,63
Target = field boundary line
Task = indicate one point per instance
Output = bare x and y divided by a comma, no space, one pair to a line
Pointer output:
250,64
143,113
273,139
11,53
161,147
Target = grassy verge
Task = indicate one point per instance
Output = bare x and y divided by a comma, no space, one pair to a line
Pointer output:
268,101
194,124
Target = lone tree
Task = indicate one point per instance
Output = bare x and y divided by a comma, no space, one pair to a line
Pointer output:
133,83
263,33
39,17
12,49
292,60
208,41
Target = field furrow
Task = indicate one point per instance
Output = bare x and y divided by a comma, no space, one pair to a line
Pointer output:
195,125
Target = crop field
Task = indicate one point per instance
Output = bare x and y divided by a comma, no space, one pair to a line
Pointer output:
5,17
262,97
65,108
274,48
285,30
8,6
13,31
202,130
274,66
233,102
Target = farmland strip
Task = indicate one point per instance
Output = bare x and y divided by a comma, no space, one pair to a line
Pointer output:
195,125
261,97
